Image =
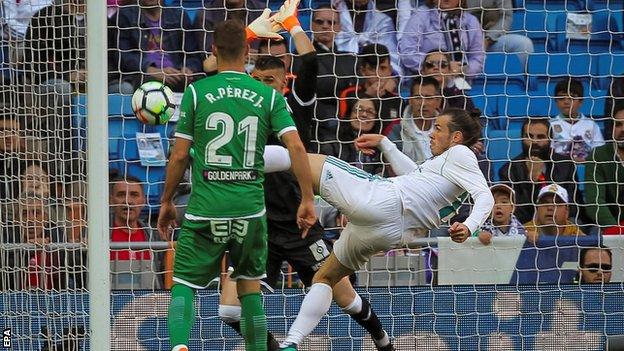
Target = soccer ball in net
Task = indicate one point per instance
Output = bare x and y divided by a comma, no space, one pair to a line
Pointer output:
152,103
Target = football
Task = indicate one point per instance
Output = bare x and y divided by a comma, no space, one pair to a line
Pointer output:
152,103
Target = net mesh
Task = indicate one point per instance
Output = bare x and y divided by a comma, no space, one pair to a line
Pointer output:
509,294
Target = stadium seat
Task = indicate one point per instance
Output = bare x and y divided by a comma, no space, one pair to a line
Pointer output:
562,64
502,145
503,66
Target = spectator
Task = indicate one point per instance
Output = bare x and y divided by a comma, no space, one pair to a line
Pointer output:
376,81
337,70
438,66
76,232
443,26
40,268
537,166
11,146
574,134
362,25
604,181
127,200
217,11
552,215
496,17
16,16
595,264
35,179
616,94
362,120
502,222
55,49
412,133
155,43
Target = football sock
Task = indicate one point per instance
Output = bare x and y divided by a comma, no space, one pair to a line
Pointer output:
361,312
253,323
231,316
276,159
181,316
315,305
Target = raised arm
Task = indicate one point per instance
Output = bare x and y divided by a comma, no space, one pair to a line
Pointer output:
401,163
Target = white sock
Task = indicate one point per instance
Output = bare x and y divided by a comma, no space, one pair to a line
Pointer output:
276,159
315,305
383,341
230,313
355,306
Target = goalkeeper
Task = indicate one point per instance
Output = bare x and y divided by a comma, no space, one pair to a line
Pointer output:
387,212
226,119
307,254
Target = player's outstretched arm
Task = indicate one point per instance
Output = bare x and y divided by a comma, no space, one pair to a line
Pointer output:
401,163
178,160
306,215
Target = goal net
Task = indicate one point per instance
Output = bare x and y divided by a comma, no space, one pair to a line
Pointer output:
527,70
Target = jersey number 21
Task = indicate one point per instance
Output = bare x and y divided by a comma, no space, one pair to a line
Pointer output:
248,126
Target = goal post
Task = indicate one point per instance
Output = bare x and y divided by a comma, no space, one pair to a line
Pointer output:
97,177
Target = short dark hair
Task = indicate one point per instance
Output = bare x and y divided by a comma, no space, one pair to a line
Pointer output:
124,179
264,43
372,55
230,39
584,252
534,120
269,62
465,122
570,86
326,6
424,81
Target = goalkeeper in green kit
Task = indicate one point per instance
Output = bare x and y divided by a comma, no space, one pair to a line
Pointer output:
226,119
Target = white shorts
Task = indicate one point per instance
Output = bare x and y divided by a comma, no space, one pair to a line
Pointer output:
373,206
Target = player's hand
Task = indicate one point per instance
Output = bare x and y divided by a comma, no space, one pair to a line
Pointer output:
367,143
485,238
306,217
286,17
262,27
166,220
459,232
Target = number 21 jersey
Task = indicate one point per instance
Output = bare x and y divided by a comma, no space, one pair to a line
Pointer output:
229,117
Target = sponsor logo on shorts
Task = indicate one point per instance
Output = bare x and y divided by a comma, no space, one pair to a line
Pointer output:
231,176
224,231
319,250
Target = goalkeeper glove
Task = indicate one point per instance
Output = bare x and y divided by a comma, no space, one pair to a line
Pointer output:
286,17
262,27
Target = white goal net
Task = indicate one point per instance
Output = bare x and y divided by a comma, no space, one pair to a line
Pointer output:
546,78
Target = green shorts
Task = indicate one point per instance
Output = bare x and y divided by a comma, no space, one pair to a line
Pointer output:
202,244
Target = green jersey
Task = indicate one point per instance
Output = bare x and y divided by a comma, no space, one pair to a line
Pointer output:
228,117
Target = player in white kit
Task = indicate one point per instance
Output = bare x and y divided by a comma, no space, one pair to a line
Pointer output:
385,213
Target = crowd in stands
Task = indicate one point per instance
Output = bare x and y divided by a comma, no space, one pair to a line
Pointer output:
382,68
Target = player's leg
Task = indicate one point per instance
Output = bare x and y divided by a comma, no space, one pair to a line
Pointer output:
248,250
230,308
277,159
308,258
197,262
361,311
317,301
